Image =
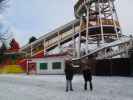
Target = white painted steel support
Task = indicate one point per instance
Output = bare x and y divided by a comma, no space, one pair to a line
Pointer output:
100,18
44,50
114,21
131,42
116,16
27,67
74,42
31,52
79,40
87,31
59,40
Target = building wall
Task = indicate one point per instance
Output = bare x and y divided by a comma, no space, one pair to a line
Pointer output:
45,65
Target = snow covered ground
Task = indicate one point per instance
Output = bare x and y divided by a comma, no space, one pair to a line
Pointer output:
52,87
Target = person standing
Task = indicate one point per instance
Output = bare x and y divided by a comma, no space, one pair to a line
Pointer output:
87,76
69,75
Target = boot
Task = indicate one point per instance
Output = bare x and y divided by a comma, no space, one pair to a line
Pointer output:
66,90
91,87
71,89
85,86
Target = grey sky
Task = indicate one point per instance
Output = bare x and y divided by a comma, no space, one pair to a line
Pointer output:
37,17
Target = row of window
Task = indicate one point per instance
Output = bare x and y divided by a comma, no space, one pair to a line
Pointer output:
55,66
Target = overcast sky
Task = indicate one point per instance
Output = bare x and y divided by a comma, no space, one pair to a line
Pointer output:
37,17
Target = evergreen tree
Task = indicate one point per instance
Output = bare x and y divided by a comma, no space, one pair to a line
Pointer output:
2,50
32,39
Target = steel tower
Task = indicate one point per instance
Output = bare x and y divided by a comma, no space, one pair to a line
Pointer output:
98,22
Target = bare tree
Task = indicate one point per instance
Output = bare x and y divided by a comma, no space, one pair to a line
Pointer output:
3,4
3,35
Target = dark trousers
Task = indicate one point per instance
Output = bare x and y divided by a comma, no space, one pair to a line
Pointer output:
85,85
69,85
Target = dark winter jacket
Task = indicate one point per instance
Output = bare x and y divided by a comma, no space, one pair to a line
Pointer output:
87,75
69,71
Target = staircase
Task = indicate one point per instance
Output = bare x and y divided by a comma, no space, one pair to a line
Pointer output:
122,45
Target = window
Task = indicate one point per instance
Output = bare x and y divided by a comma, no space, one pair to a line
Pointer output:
56,65
43,66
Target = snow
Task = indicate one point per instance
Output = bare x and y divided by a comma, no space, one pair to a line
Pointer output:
52,87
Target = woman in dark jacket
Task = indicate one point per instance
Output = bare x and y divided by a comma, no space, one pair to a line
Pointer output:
69,75
87,76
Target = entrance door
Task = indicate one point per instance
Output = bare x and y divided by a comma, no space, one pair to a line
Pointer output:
32,68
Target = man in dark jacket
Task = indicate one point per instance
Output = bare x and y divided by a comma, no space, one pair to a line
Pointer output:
69,75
